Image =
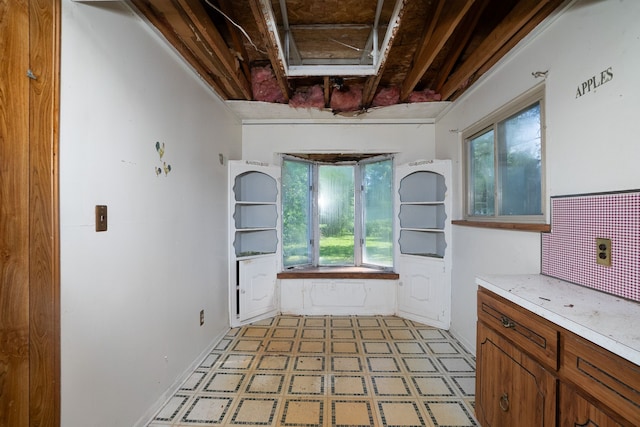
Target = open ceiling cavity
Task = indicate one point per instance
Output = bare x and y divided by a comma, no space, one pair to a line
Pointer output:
343,55
339,44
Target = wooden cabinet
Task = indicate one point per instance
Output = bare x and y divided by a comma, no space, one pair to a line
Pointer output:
525,364
604,377
578,411
512,387
528,331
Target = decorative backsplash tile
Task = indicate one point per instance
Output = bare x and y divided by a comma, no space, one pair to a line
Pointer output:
569,252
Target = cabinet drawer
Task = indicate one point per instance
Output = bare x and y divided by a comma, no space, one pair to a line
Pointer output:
532,333
609,379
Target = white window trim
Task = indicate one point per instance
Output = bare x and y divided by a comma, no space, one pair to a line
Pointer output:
359,211
535,94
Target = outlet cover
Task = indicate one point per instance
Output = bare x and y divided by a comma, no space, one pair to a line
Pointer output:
603,251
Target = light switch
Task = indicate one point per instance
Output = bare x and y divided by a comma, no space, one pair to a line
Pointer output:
101,218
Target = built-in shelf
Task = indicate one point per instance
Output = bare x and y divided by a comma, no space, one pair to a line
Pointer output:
255,214
253,233
255,186
422,214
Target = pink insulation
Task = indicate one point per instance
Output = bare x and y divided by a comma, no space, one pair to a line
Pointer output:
349,98
426,95
265,86
312,97
386,96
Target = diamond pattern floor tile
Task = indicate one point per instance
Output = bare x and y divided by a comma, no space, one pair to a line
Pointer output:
333,371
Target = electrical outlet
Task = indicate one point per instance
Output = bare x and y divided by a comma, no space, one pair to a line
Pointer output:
603,250
201,317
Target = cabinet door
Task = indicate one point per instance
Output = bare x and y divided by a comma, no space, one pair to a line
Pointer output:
511,388
257,287
423,291
606,377
576,411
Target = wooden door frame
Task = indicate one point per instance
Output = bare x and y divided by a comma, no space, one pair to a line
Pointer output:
44,217
29,250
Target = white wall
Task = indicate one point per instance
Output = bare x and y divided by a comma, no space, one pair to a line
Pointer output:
591,142
131,296
411,141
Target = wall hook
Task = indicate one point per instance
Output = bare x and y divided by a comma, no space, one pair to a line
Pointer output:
537,74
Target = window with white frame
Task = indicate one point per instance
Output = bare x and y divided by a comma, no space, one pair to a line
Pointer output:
337,213
504,158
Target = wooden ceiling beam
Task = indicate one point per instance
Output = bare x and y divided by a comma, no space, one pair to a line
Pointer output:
261,14
463,35
372,82
537,19
512,24
192,39
216,45
370,88
441,29
327,91
426,37
165,28
236,38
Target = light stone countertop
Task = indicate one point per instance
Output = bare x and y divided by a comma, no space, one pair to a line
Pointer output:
609,321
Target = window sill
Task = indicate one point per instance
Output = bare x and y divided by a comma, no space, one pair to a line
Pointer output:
517,226
338,273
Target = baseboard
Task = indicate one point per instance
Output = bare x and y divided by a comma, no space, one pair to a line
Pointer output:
150,413
469,346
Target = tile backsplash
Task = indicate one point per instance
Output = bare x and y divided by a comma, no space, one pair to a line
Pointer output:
569,251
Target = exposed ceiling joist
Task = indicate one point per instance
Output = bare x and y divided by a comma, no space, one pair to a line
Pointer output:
441,29
534,22
191,38
432,49
372,82
236,38
507,28
166,28
215,45
263,17
461,38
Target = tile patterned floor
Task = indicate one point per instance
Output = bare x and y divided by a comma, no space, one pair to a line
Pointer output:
329,371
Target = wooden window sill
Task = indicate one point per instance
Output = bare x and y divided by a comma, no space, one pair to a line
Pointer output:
338,273
517,226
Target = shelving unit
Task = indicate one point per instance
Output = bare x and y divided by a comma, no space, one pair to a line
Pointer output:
423,227
253,237
422,214
255,214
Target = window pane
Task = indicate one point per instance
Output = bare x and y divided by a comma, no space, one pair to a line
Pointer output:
481,175
336,214
520,160
296,213
378,213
